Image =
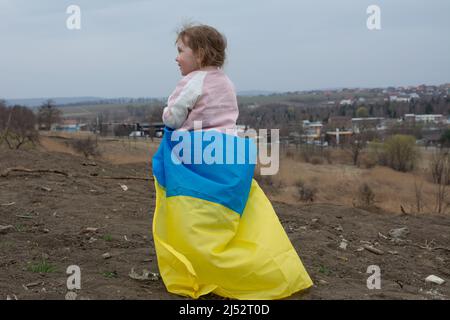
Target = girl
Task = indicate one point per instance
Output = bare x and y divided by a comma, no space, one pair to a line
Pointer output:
205,93
214,228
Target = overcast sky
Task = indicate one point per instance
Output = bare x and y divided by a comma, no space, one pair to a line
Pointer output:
126,47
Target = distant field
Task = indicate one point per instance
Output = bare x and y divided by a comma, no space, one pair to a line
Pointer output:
90,111
301,98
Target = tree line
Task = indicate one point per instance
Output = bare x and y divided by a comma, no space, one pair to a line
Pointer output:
19,125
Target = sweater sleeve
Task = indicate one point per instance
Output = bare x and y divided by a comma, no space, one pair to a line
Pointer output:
177,112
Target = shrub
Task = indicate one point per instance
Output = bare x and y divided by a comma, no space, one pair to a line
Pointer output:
88,147
367,161
365,196
400,152
316,160
306,193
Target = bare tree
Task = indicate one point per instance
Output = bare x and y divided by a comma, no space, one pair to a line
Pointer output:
438,165
102,122
419,195
48,114
17,126
155,116
356,146
5,119
440,171
359,140
88,147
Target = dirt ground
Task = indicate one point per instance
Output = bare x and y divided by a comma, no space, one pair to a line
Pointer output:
49,214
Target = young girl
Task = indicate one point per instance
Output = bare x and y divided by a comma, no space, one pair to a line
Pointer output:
214,228
204,93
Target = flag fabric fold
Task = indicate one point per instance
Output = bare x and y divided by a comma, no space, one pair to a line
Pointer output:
214,228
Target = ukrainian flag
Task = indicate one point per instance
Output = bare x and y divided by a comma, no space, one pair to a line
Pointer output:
214,228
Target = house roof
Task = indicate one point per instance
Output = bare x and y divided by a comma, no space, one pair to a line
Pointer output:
367,119
339,118
435,136
69,122
334,133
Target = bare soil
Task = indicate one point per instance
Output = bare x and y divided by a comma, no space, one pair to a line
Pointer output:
50,213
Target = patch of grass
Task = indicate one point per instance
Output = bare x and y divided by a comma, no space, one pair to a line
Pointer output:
20,228
107,237
324,270
41,267
110,274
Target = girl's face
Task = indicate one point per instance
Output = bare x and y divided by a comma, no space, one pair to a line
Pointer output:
186,59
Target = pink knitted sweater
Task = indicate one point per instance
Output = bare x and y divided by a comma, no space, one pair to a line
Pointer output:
204,95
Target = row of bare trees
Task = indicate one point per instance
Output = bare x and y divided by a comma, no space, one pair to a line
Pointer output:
19,124
47,115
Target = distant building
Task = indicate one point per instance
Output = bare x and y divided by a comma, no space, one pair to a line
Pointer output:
431,138
151,129
429,118
424,118
338,137
341,122
389,123
67,126
312,130
369,123
346,102
400,98
409,118
154,129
